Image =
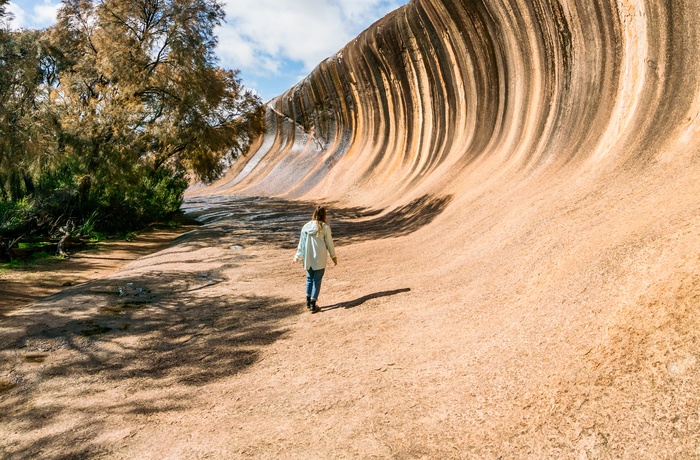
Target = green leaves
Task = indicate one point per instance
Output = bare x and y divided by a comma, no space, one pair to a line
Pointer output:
109,111
146,69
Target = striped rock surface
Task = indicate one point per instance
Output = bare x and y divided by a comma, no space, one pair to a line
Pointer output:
440,94
534,165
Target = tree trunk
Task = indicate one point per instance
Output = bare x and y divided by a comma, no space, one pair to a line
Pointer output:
5,250
61,246
84,193
29,184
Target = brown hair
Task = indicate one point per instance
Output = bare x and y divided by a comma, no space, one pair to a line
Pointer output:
319,216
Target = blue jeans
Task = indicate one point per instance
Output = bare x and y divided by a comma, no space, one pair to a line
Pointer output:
313,282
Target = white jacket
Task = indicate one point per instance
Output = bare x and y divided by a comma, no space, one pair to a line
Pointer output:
314,246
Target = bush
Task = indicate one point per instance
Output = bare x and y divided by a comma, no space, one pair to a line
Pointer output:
15,216
118,207
130,207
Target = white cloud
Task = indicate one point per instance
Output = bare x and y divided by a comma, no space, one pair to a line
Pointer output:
364,11
45,14
18,20
260,35
42,15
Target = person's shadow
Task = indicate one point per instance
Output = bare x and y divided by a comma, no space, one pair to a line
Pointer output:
363,299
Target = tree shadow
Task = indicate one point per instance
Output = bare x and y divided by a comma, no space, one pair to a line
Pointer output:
159,331
173,329
363,299
250,221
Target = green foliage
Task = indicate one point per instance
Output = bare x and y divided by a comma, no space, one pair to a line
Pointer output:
12,265
105,115
139,84
130,236
28,262
21,124
14,214
97,236
41,255
153,198
33,245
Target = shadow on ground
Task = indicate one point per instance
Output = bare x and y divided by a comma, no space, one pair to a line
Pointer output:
150,338
255,220
157,334
363,299
157,326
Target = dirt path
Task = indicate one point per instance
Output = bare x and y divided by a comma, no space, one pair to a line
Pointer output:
205,350
19,287
102,367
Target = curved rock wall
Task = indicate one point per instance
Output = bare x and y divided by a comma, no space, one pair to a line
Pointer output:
440,90
532,168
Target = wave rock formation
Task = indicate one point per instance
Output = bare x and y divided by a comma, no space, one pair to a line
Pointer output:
556,146
441,90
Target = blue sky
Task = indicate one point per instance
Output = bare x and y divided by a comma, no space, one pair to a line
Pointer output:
275,43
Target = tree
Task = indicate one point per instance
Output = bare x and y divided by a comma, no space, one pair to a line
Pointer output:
121,101
22,91
4,14
140,91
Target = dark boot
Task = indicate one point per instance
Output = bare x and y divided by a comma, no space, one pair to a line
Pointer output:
314,308
308,302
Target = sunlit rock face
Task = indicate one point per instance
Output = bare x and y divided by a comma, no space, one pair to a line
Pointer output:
531,169
439,87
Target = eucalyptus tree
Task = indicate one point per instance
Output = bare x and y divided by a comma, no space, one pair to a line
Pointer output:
140,99
109,114
23,130
22,133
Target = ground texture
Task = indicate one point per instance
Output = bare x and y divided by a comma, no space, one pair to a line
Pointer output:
205,350
513,188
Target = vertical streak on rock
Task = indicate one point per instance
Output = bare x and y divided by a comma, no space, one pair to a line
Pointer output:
439,88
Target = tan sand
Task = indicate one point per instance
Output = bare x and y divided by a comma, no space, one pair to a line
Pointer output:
513,189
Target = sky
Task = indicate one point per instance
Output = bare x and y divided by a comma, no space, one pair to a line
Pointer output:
274,43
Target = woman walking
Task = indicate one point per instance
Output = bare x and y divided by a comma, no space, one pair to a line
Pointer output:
314,245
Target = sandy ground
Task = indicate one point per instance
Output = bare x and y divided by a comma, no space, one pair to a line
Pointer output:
513,188
205,350
19,287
